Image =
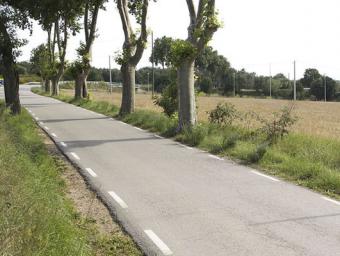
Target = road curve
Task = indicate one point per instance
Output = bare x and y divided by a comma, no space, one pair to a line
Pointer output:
176,200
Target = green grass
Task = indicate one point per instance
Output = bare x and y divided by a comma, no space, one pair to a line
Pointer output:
36,218
309,161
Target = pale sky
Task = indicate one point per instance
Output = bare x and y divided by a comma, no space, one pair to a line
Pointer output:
255,33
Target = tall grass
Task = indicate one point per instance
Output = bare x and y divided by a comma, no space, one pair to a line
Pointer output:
36,218
307,160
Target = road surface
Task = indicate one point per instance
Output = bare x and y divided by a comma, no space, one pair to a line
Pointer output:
177,200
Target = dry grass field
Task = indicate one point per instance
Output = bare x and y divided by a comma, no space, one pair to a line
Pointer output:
314,118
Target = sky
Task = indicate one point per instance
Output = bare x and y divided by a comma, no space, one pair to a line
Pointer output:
256,34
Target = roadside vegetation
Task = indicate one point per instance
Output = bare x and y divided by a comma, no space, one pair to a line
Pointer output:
36,216
303,159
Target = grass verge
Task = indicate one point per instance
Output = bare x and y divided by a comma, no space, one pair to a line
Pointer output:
305,160
36,216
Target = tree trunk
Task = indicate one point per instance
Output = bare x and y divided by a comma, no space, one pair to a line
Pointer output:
186,94
81,85
129,85
55,86
47,84
11,84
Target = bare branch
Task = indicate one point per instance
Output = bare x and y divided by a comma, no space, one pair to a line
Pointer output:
124,15
143,36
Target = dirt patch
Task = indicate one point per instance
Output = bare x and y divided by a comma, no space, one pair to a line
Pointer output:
86,202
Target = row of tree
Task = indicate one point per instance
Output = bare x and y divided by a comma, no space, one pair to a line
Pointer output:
62,19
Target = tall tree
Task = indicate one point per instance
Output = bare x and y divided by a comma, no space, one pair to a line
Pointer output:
133,48
11,19
39,60
310,75
161,51
203,24
91,10
59,19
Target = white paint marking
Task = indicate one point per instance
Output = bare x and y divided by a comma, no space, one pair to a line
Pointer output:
46,128
42,123
122,122
187,147
118,199
159,137
30,111
139,129
265,176
91,172
216,157
63,144
331,200
54,135
111,119
75,156
33,114
158,242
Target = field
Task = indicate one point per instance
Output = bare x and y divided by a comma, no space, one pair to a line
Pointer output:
314,118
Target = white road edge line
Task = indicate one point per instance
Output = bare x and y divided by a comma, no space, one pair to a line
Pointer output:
63,144
41,123
75,155
216,157
36,118
159,137
331,200
158,242
46,128
187,147
54,135
139,129
91,172
118,199
122,122
265,176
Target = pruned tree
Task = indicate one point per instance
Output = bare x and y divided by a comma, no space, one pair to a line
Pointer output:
83,65
11,19
133,48
203,24
59,19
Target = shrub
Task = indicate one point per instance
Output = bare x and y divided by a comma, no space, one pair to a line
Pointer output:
194,135
168,100
279,126
223,114
259,152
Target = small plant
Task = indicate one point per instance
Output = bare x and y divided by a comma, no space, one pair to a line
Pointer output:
194,135
223,114
168,100
259,152
279,126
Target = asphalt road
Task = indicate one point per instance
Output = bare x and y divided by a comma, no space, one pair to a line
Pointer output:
176,200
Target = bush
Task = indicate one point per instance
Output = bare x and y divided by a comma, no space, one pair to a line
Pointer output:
258,154
279,126
223,114
194,135
168,100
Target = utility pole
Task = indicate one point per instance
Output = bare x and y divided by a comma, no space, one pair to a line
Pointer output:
294,80
325,81
234,83
110,74
153,66
270,80
148,81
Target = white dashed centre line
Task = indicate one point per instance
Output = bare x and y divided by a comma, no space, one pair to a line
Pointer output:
75,156
216,157
159,137
54,135
331,200
158,242
91,172
63,144
265,176
118,199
